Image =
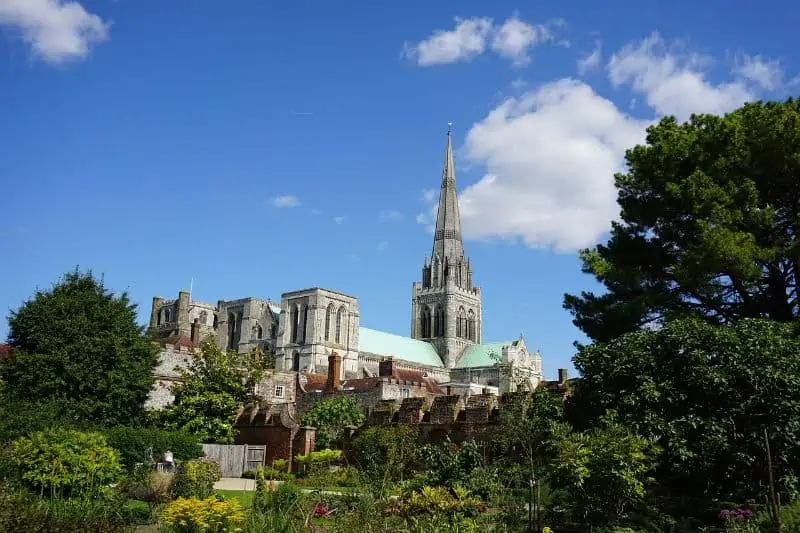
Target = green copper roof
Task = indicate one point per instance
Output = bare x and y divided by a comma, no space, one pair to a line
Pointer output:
404,348
481,354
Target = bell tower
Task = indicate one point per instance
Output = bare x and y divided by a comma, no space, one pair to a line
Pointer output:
446,307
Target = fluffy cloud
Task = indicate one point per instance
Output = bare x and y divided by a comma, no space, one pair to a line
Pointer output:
550,154
514,38
429,195
287,200
338,220
591,62
472,37
56,30
673,82
766,73
466,41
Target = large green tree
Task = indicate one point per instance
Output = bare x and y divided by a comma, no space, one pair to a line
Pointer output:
331,416
705,394
710,214
77,346
216,384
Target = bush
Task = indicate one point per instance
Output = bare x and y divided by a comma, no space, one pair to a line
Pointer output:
23,512
193,515
385,452
148,486
66,462
133,444
283,500
195,479
315,461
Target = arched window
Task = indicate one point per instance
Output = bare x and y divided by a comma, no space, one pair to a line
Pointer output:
231,331
461,324
204,318
471,334
328,318
296,361
216,320
167,315
304,325
295,318
425,322
339,319
259,332
438,315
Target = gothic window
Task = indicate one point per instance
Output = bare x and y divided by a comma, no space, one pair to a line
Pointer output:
204,318
216,320
304,318
328,317
425,322
438,322
461,330
339,319
238,327
294,318
167,315
296,361
259,332
231,330
471,334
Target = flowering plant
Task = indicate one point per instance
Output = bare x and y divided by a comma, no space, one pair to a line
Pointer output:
193,515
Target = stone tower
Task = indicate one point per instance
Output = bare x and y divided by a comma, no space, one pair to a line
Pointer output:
446,308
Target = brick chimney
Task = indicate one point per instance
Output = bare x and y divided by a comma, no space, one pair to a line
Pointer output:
562,375
387,368
195,336
334,372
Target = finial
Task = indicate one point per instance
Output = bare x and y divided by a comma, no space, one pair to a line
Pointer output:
449,128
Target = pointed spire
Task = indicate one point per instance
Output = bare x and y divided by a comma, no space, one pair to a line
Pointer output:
447,237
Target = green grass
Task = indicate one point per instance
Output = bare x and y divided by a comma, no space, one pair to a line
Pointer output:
245,497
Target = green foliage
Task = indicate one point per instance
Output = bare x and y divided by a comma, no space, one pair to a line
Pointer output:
23,512
195,479
213,388
284,499
65,462
709,225
134,443
78,345
147,485
387,453
705,394
330,416
448,465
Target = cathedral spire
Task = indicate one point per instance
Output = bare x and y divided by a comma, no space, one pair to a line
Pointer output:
447,238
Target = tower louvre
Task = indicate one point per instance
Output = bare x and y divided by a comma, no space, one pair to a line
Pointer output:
446,307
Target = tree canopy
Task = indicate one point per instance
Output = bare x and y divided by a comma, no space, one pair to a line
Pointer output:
705,394
216,384
710,213
330,416
78,346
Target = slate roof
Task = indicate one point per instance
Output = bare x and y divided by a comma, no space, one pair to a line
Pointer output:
385,344
476,355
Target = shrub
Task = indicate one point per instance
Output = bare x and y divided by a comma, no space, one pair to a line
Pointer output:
283,500
269,473
133,444
23,512
195,479
385,452
64,462
194,515
148,486
317,460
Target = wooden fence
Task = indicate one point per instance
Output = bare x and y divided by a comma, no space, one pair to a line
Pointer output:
234,459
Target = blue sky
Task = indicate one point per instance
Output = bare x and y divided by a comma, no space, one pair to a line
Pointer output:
261,147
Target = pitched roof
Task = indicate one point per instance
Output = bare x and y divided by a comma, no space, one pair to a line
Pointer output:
310,382
476,355
401,348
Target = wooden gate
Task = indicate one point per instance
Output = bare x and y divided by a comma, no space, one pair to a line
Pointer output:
254,456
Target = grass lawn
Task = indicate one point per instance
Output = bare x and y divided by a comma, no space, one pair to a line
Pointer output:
245,497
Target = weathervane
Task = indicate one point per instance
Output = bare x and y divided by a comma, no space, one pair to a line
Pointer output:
449,127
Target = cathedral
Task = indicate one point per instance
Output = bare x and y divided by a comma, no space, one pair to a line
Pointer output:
307,326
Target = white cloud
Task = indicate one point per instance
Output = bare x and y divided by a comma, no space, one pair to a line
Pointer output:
514,38
474,36
422,219
316,212
429,195
673,82
383,245
283,201
338,220
390,215
591,62
56,30
466,41
550,154
766,73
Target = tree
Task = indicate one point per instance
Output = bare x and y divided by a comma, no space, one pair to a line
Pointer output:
78,346
330,416
705,394
710,214
216,384
604,471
